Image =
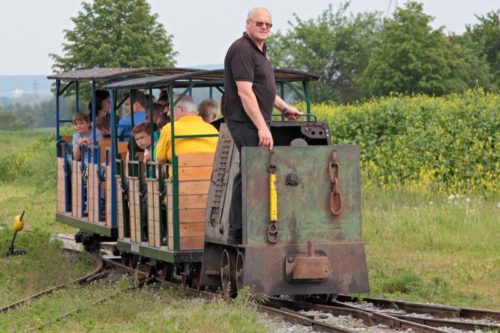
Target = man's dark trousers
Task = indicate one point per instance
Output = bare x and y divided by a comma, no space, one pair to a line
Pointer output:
244,134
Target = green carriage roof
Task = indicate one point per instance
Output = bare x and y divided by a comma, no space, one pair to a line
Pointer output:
281,75
99,74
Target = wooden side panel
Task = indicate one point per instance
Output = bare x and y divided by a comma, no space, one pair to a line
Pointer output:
189,201
123,150
188,243
93,193
108,196
61,192
154,209
195,172
119,201
135,213
191,187
188,229
76,189
189,215
196,160
104,146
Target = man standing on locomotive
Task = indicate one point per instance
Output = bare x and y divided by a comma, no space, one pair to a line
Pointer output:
250,95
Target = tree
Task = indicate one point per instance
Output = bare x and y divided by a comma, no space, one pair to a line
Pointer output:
411,57
335,46
115,33
485,37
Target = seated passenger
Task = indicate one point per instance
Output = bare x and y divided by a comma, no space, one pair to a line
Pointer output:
163,98
142,136
103,104
157,110
209,110
102,124
162,120
139,107
82,135
187,122
218,122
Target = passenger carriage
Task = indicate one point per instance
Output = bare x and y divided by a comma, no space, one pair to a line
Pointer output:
86,198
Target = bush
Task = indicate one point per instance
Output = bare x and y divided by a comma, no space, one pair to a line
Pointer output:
434,143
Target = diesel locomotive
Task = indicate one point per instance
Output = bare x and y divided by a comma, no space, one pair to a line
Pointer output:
301,200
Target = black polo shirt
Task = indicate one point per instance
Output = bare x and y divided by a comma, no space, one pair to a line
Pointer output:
245,62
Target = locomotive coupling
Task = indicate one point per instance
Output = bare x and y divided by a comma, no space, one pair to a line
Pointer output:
306,268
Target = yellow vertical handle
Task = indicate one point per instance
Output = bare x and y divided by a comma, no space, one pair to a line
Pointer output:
273,198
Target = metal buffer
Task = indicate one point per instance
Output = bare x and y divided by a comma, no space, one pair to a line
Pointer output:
306,268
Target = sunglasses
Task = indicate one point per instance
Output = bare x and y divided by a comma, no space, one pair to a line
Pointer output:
260,24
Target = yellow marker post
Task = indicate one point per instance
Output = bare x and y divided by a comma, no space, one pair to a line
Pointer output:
18,226
273,198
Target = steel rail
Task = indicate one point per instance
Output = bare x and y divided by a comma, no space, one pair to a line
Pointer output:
137,285
369,318
296,318
84,279
429,322
460,325
437,310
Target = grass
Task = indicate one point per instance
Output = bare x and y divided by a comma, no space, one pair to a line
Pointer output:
28,183
154,308
433,248
420,246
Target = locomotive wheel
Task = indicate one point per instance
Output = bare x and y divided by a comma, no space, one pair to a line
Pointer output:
240,262
92,243
134,260
227,274
165,271
126,259
196,280
185,280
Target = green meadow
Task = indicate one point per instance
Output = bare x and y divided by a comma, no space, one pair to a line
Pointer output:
424,246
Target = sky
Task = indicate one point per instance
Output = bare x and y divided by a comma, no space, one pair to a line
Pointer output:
202,30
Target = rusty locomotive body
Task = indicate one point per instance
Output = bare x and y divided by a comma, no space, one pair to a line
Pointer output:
301,201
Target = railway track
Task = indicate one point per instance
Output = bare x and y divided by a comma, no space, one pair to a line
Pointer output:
345,314
87,278
319,316
144,278
437,310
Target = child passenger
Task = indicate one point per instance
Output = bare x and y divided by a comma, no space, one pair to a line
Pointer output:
82,135
209,110
142,136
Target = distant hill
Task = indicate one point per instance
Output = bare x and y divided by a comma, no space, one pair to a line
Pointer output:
29,88
14,87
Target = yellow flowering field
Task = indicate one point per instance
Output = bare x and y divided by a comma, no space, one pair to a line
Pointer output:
446,144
